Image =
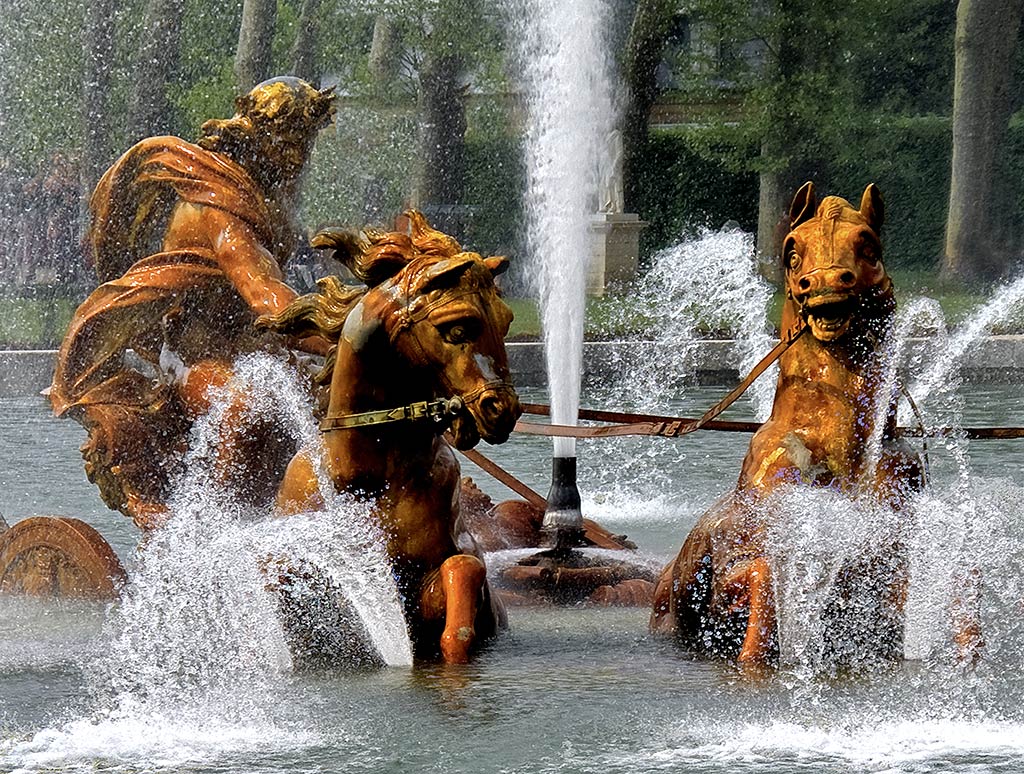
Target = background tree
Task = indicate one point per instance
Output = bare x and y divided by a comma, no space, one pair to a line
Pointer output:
642,55
385,52
98,45
986,43
304,49
255,43
156,67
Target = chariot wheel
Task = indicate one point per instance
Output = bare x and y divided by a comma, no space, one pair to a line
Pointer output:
58,557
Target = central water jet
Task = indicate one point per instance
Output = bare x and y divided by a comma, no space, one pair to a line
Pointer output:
571,116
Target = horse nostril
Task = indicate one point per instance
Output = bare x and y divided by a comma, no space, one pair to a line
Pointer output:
490,408
847,278
804,283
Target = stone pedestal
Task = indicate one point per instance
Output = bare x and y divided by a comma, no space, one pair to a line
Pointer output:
615,246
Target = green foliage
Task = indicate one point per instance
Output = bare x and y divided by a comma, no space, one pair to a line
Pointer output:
370,153
683,183
909,160
40,113
694,177
495,179
806,73
205,87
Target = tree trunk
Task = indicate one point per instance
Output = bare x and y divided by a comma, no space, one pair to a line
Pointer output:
644,47
986,40
443,135
384,51
98,42
774,188
255,40
783,167
304,49
156,66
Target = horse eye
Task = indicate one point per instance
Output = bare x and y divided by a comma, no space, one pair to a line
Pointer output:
459,333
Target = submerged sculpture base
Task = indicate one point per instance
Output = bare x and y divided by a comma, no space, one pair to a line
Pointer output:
573,577
563,574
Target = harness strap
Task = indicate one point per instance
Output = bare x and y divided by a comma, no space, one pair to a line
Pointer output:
499,473
669,428
439,410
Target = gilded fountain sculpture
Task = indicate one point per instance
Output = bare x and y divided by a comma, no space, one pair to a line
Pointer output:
189,242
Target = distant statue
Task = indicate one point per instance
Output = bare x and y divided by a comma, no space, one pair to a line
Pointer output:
612,198
189,241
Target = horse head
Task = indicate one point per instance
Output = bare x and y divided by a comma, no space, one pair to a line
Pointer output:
438,312
832,256
449,322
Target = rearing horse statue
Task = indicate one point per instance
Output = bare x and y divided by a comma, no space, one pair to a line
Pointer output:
717,596
421,348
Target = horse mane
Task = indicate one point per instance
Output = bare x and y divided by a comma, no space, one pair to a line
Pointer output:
373,256
322,312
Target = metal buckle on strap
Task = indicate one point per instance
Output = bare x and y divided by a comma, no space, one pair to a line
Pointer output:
440,411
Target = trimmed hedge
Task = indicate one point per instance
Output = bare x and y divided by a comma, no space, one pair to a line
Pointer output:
681,185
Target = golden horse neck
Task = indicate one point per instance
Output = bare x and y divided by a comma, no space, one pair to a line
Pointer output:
837,382
368,378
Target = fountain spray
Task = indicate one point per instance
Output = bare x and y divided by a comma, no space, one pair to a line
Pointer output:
571,117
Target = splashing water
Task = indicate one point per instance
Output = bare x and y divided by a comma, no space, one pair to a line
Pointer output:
707,283
197,648
571,117
1005,302
887,370
962,548
818,541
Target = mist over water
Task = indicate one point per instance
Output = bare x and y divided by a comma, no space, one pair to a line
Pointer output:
564,57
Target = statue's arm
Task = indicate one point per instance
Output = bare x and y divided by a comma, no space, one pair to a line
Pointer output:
246,263
256,275
249,266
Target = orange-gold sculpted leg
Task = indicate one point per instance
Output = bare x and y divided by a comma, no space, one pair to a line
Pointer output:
300,491
455,596
757,644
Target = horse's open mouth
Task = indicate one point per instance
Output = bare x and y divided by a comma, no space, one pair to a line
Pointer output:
829,316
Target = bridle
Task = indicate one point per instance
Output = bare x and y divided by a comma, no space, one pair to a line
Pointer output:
440,411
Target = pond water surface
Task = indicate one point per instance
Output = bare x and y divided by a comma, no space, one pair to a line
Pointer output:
564,690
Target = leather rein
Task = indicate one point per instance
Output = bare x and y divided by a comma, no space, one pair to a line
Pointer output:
666,427
442,410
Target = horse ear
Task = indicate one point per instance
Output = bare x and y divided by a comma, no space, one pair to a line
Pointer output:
445,274
872,207
498,264
804,204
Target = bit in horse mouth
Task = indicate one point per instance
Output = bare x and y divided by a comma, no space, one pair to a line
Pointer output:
829,312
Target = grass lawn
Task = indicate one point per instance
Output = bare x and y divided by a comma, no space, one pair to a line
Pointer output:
33,323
